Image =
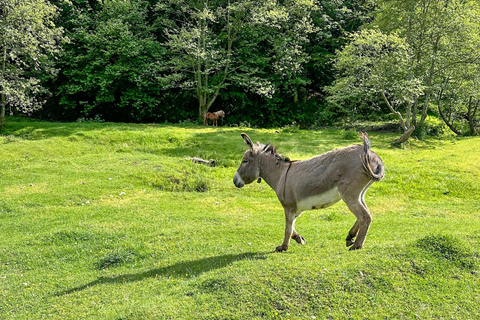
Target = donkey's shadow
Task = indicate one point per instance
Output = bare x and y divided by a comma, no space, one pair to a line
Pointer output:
178,270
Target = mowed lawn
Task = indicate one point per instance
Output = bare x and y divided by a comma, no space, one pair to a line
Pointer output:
113,221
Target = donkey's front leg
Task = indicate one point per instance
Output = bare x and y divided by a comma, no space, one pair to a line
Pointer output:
289,229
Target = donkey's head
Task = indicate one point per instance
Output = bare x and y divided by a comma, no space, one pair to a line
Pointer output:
249,169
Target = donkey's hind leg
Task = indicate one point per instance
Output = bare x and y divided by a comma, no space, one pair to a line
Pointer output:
298,238
295,236
356,203
354,230
352,234
364,219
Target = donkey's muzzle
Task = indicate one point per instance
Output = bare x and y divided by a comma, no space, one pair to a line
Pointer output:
238,181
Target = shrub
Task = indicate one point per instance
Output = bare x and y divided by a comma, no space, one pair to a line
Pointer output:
350,134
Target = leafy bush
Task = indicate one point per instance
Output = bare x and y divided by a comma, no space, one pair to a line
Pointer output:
291,128
428,130
350,134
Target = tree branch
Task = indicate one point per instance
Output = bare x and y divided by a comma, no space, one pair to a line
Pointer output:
398,114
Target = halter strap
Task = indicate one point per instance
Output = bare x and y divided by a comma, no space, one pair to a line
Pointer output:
285,182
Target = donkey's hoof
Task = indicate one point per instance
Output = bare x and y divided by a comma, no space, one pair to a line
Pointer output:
280,249
350,242
355,248
299,239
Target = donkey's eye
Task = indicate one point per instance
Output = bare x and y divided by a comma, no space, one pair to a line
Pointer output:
245,161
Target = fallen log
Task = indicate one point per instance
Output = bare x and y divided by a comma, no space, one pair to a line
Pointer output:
210,163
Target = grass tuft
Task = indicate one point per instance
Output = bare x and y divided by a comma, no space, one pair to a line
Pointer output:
179,182
449,248
117,257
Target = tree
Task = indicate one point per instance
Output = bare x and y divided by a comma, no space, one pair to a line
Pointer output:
438,36
458,99
28,42
335,20
109,69
214,44
376,64
442,34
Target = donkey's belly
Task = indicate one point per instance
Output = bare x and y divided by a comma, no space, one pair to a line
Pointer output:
319,201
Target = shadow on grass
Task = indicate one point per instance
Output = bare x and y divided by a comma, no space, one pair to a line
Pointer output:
178,270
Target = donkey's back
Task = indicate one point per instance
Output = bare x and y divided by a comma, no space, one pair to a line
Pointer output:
326,179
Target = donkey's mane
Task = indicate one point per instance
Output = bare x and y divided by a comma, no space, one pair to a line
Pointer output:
269,148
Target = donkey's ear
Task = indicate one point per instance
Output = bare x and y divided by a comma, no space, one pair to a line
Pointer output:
247,141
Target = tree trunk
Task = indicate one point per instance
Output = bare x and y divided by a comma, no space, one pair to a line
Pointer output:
3,100
425,108
447,121
407,129
409,120
472,110
205,102
395,112
205,99
415,113
405,136
2,110
201,108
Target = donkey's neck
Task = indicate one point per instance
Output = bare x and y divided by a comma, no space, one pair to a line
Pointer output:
273,171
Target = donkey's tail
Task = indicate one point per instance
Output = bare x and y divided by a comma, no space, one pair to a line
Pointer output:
372,163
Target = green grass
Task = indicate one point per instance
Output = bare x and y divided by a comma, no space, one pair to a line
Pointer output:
111,221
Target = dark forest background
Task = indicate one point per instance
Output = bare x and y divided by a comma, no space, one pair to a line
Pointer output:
265,63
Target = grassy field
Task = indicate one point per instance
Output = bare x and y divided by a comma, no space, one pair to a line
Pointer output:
111,221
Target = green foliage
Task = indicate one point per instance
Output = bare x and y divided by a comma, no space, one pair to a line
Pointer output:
266,63
131,61
110,67
213,45
458,98
426,130
28,43
375,65
291,128
350,134
414,52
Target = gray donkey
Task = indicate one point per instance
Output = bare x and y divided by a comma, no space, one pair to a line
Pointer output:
342,174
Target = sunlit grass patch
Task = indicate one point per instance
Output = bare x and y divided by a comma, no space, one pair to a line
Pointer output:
112,221
180,176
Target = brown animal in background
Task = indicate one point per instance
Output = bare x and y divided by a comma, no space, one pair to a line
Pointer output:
342,174
213,116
